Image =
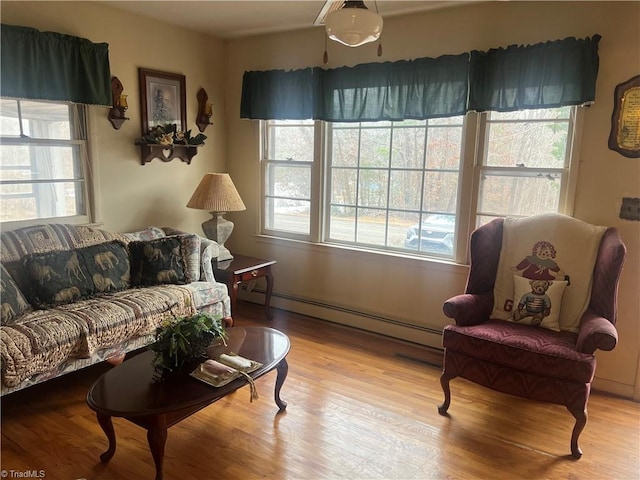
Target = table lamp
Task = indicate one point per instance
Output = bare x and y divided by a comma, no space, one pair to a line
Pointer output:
217,194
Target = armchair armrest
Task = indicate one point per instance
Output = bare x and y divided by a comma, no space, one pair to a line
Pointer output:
596,332
469,308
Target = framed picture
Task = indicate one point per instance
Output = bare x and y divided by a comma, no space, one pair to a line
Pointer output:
624,137
162,99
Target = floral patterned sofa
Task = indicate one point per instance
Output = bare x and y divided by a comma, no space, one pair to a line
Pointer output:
72,296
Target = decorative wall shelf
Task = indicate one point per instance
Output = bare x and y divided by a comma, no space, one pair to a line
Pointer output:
166,153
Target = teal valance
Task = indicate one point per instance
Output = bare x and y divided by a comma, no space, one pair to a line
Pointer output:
415,89
52,66
544,75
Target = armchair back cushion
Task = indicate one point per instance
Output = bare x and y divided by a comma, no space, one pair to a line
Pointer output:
549,247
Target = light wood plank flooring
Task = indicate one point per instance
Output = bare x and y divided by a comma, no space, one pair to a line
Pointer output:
359,408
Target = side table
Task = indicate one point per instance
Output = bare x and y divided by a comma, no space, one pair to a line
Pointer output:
243,269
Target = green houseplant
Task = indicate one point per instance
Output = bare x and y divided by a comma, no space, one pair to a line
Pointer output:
181,341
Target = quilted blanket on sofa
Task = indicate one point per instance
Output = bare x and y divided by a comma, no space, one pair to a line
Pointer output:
42,339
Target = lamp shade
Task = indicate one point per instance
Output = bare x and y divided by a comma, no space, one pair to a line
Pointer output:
353,25
216,193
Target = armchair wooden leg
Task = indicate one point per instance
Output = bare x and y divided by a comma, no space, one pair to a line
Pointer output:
445,378
581,421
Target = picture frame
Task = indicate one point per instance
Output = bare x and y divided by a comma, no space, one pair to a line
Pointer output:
624,137
162,99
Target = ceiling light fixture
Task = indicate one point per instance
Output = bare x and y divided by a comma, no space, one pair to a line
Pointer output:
353,25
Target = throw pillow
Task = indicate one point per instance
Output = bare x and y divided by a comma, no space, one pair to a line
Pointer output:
537,302
159,261
192,246
550,247
13,302
64,277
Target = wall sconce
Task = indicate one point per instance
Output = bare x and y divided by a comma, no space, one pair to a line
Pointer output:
205,110
116,113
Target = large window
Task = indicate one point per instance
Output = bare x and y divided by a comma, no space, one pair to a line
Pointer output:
42,161
414,186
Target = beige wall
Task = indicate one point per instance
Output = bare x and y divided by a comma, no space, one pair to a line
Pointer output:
385,293
402,296
132,196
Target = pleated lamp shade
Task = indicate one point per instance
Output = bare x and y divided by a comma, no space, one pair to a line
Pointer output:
216,193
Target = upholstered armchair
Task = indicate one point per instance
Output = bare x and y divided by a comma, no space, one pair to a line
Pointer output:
521,358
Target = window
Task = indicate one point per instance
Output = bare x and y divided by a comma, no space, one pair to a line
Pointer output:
414,186
524,163
42,161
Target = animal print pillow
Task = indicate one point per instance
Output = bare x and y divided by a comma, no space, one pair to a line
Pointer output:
159,261
13,302
64,277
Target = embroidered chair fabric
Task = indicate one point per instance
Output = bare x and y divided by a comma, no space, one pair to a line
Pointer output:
526,360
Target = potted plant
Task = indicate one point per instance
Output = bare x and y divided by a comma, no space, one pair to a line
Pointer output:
181,341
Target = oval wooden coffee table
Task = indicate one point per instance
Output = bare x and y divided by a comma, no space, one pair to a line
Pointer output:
129,390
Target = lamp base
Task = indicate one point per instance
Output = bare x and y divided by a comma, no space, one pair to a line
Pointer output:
219,229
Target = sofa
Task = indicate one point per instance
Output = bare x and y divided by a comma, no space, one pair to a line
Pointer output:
73,296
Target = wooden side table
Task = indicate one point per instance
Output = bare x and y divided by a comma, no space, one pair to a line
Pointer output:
243,269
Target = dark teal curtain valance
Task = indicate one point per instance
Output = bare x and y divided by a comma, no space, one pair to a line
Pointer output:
278,94
545,75
416,89
52,66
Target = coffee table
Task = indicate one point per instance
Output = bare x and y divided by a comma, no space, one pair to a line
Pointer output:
129,390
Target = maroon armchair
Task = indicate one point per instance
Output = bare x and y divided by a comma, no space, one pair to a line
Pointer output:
524,360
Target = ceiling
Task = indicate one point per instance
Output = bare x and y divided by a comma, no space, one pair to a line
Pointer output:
241,18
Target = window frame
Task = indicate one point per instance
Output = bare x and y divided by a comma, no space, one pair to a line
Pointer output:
85,179
473,151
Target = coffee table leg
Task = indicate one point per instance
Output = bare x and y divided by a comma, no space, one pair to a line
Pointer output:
283,369
107,426
157,437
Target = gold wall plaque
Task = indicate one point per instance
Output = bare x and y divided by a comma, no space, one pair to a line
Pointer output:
625,120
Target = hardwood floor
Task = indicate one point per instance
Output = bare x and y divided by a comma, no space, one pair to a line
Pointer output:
359,408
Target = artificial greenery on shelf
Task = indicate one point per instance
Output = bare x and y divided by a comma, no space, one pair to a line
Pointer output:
180,341
170,135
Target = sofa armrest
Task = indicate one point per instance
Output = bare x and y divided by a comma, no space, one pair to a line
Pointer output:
469,308
596,332
209,252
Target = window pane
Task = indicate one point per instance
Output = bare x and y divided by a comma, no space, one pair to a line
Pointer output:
39,162
9,121
504,194
371,227
289,140
342,225
344,186
440,192
443,147
45,120
289,181
534,114
436,236
41,200
288,215
372,188
345,147
530,144
405,190
408,148
399,223
375,147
